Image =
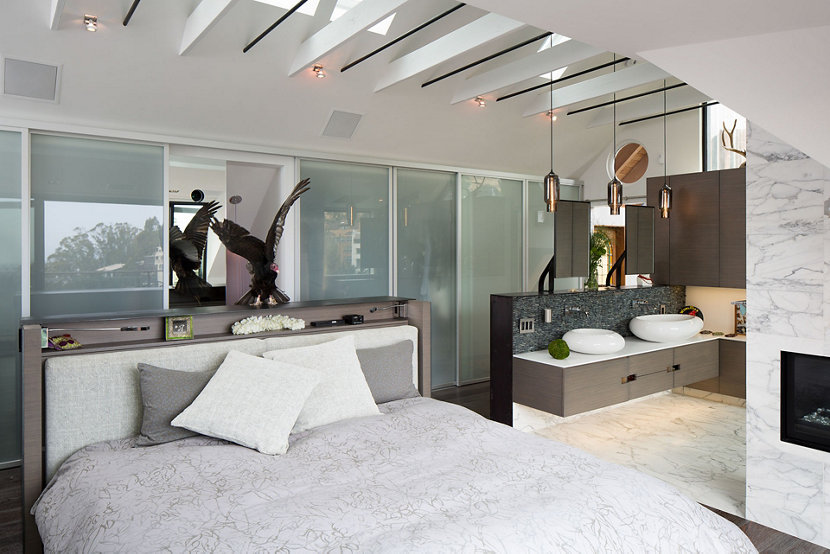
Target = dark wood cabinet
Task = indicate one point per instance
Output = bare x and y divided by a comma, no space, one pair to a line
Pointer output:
702,243
733,228
565,391
732,378
695,362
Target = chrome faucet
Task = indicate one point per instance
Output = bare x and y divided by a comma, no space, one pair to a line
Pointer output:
575,310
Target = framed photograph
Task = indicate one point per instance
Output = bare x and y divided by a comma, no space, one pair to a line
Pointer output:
178,327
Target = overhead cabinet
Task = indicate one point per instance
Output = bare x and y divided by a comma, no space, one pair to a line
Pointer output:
703,242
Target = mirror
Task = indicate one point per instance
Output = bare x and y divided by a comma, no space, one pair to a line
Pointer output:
630,162
639,240
193,183
572,238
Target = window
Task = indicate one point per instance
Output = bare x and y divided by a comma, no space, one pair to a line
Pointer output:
720,123
97,226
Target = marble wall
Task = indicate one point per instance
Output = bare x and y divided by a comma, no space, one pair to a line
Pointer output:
788,308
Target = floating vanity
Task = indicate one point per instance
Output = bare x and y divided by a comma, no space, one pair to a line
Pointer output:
584,382
522,371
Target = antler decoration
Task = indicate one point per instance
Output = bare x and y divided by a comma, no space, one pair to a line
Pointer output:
731,147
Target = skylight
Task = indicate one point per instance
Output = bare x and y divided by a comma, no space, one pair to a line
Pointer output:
342,6
555,74
309,8
552,41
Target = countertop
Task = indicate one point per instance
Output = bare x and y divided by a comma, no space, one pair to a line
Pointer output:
633,346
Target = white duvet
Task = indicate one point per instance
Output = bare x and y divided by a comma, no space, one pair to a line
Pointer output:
425,476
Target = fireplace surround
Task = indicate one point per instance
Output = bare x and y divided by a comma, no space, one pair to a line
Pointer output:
805,400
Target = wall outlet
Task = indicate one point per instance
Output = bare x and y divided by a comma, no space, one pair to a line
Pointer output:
526,325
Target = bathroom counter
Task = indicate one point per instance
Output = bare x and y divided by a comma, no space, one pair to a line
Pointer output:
633,346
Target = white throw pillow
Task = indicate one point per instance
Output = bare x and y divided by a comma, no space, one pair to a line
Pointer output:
250,401
342,392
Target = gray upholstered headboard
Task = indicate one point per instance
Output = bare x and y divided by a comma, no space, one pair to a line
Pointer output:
95,397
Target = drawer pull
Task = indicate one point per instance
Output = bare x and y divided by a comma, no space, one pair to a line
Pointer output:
675,367
628,378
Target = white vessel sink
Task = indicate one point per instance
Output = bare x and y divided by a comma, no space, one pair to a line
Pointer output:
594,341
665,327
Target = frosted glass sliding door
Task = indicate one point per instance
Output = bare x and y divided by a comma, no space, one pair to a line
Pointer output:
10,152
426,261
97,213
491,262
540,235
344,231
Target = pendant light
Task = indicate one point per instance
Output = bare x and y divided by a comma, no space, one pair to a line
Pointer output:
551,182
665,190
615,187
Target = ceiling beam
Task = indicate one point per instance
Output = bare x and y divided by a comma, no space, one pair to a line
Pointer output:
523,69
203,18
361,17
639,74
55,14
464,39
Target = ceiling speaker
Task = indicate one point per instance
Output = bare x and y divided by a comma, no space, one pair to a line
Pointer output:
30,79
341,124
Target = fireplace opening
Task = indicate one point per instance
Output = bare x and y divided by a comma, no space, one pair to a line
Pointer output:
805,400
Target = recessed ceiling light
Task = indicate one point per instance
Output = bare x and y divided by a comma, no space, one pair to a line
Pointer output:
480,101
318,69
91,22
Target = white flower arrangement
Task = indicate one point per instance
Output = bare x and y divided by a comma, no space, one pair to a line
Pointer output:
260,324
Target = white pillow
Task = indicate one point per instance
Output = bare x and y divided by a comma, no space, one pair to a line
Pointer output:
342,392
250,401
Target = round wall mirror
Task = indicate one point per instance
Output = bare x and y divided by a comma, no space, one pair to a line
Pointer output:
630,162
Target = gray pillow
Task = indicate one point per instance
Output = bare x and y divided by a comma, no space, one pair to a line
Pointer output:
165,393
388,371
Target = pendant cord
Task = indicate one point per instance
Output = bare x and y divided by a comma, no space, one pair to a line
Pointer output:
665,152
614,128
550,114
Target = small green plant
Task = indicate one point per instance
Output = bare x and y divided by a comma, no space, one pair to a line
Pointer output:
558,349
600,245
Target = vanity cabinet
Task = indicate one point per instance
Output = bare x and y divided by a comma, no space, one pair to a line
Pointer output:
702,243
565,391
731,379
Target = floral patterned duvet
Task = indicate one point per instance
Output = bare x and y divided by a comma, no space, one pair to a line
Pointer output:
425,476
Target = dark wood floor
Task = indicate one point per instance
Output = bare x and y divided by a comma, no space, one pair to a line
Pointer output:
11,526
768,541
475,397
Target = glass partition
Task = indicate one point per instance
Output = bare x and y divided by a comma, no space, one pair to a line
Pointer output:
426,227
344,227
491,262
97,213
10,152
540,235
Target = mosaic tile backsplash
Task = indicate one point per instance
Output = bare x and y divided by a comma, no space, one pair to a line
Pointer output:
606,309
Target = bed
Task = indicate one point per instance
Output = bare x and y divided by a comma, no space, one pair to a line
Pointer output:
417,476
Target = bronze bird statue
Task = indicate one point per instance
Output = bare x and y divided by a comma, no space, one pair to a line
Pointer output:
261,256
187,249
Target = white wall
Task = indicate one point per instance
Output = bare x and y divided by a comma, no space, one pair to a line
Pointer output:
683,144
788,308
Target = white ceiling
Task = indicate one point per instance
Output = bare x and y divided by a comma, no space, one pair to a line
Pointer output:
765,59
133,78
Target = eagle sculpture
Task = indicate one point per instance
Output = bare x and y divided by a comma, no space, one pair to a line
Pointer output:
187,249
261,256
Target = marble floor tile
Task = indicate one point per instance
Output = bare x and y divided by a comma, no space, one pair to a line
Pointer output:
697,445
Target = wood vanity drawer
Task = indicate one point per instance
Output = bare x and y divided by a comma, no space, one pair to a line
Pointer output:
696,362
653,371
593,386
